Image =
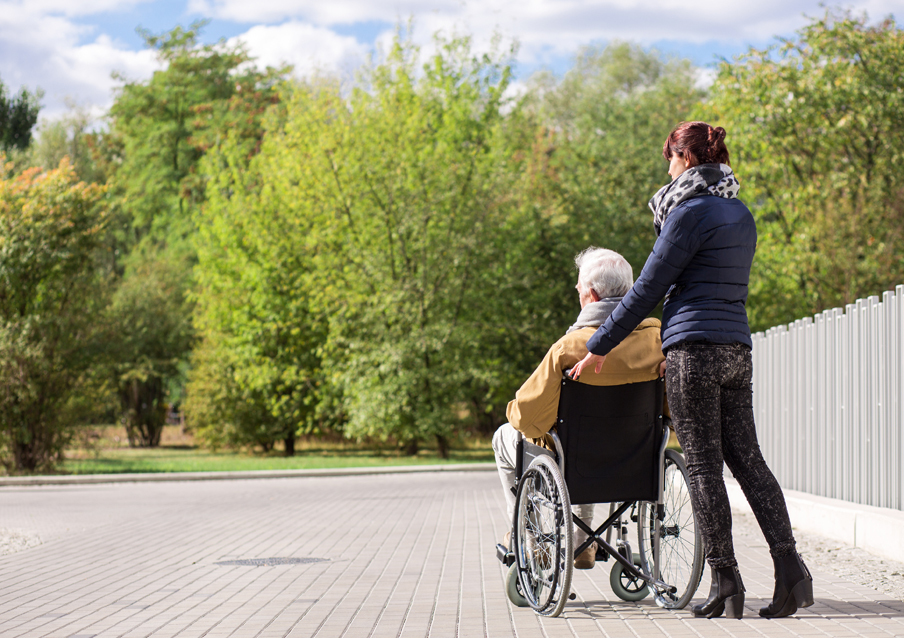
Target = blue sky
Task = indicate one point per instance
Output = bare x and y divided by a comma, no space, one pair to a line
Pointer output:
70,49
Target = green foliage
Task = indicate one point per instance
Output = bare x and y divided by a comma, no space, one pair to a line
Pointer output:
816,128
160,130
584,162
18,116
69,137
50,231
252,375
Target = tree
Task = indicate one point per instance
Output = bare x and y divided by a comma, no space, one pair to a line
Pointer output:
18,116
149,332
160,130
254,373
50,231
163,126
414,174
403,249
816,128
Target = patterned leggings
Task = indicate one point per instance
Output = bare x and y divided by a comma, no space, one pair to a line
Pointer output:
711,401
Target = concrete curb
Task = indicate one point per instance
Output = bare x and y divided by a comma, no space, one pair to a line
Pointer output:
877,530
86,479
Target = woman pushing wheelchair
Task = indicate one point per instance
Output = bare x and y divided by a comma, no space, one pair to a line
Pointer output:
701,264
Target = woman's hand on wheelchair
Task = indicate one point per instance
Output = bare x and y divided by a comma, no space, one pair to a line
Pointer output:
588,361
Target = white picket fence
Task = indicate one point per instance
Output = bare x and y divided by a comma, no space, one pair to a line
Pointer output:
827,398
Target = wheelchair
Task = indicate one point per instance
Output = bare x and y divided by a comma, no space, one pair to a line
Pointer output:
611,447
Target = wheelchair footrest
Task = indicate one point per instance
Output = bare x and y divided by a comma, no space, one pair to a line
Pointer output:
505,557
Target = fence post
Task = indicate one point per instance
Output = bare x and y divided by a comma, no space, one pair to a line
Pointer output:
822,427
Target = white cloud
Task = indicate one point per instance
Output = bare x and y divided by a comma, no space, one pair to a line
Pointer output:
306,47
38,50
70,8
321,12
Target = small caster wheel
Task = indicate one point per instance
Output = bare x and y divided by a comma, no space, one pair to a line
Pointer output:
626,586
513,588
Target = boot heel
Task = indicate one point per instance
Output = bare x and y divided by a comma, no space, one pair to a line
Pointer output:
734,606
803,593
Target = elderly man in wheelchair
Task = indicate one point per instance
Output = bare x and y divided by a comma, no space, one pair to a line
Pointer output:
600,440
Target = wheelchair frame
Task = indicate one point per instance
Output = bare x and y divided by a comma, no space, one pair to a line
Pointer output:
541,579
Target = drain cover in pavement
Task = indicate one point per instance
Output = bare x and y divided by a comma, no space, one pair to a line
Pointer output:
270,562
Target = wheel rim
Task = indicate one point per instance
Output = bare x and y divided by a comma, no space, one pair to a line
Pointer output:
631,584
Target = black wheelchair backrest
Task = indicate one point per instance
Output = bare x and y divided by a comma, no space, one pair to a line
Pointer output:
611,436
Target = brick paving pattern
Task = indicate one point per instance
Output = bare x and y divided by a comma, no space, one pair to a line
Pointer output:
374,556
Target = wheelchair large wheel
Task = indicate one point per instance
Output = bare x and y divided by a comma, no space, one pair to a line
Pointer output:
680,548
543,537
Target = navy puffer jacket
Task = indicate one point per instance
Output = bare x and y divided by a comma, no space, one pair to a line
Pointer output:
702,260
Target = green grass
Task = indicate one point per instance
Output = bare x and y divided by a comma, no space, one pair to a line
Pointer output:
188,458
109,454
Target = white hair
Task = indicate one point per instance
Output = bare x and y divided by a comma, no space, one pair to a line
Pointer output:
604,271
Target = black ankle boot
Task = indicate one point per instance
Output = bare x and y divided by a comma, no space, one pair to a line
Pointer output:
793,587
725,594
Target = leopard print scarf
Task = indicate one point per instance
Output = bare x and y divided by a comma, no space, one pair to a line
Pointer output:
705,179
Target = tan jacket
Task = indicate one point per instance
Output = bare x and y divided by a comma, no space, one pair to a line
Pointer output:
637,358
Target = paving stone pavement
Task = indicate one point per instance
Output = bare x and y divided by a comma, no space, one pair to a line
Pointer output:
365,556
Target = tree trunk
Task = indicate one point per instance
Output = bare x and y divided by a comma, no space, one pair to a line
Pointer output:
32,444
442,446
412,447
289,443
486,421
144,409
25,457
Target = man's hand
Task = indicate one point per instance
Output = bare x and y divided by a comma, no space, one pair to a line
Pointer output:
662,369
587,362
